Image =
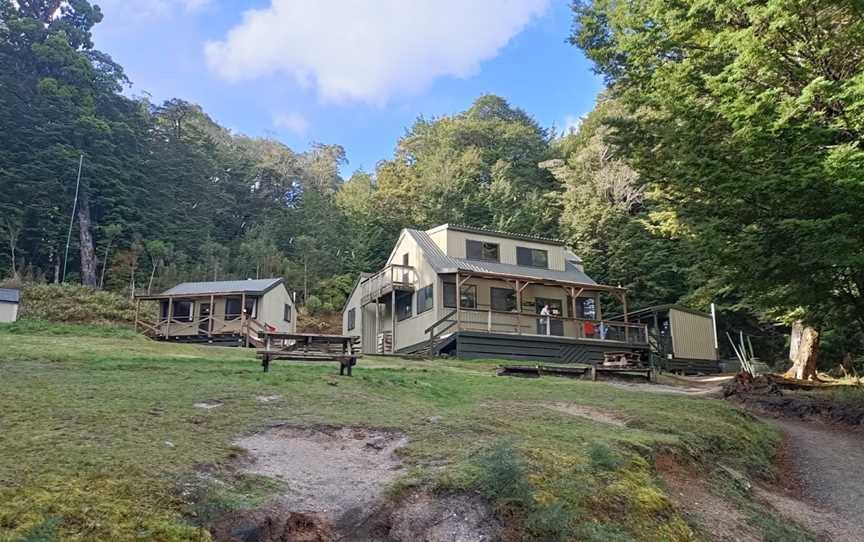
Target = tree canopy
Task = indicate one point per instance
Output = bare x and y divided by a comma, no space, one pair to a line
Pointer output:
747,117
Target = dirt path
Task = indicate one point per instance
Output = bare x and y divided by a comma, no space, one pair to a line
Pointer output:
829,467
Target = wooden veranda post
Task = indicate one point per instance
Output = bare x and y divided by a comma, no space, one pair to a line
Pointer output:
137,310
519,289
168,318
626,317
458,302
393,322
210,318
243,318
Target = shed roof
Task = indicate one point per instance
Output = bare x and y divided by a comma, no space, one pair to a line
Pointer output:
447,264
660,308
10,295
250,286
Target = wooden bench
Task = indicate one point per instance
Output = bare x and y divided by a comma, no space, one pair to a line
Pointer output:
346,362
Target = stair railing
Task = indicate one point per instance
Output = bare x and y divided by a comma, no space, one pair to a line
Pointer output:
434,335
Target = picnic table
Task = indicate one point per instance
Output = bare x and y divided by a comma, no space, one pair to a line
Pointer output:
308,347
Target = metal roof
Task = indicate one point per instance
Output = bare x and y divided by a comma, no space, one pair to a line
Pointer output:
10,295
447,264
251,286
497,233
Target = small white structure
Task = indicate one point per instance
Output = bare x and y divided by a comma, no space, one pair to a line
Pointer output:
9,299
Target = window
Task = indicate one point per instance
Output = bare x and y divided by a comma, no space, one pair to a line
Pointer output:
232,308
287,315
404,306
182,310
352,319
481,250
425,299
503,299
468,298
532,257
586,308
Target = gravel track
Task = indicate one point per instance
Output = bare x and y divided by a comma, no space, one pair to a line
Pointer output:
829,464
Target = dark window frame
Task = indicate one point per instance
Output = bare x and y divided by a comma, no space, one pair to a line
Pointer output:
286,312
404,311
531,259
186,317
427,295
229,315
352,319
483,247
451,288
510,295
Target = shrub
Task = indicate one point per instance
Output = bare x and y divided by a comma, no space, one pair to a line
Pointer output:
603,457
313,305
502,477
72,303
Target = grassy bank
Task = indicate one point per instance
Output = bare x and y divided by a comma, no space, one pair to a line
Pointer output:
100,434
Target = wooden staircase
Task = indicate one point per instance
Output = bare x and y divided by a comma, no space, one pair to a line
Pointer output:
439,338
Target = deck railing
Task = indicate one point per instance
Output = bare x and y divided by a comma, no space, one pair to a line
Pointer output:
492,321
391,277
205,325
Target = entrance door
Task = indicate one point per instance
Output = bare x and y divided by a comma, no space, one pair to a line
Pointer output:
204,316
556,325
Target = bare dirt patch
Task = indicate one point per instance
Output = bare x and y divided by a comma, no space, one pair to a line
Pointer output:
692,391
589,413
333,483
335,473
717,519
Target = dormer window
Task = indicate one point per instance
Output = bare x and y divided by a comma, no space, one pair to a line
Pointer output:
481,250
532,257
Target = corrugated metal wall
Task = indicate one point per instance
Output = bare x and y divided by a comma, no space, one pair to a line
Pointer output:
692,335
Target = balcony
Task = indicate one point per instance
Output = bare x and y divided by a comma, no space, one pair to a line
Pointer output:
392,278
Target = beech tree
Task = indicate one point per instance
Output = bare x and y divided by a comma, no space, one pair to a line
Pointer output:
748,116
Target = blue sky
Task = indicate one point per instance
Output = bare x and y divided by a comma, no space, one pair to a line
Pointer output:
352,72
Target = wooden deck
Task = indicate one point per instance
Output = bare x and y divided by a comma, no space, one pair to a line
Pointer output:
594,371
540,348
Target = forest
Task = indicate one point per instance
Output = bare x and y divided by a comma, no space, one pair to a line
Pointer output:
723,163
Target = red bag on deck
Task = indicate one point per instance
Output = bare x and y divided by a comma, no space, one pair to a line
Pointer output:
588,328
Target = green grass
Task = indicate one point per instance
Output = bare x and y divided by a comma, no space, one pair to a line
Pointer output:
100,439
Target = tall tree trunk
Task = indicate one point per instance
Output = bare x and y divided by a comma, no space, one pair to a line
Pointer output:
803,351
85,236
132,283
152,274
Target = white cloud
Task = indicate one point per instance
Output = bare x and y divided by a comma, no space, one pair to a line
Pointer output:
572,123
293,122
368,50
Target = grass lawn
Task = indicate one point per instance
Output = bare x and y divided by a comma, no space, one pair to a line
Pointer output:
99,434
